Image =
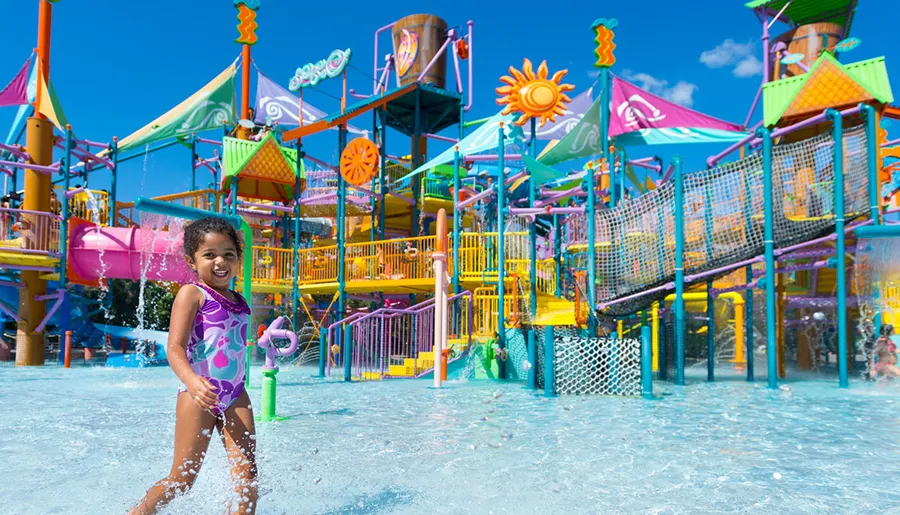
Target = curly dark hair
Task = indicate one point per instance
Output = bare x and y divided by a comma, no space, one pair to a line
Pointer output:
195,231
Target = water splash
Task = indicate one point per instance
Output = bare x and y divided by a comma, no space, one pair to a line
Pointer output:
94,209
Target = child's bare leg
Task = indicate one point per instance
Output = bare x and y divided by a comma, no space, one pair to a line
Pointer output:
193,429
239,434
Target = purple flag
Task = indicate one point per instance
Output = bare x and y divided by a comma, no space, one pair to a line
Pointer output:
279,105
634,109
565,123
16,92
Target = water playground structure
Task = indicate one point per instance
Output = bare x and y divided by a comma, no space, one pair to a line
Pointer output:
539,246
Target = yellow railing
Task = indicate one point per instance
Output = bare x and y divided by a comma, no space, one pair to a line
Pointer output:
81,206
30,232
487,304
317,265
272,265
546,276
398,259
407,258
478,256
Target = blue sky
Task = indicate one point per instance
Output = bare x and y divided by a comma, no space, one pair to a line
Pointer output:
118,65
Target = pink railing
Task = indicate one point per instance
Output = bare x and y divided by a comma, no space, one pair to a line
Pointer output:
30,232
396,342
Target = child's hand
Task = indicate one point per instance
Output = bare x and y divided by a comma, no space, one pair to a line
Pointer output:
202,392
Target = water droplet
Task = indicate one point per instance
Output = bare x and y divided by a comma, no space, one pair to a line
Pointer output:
777,476
315,451
317,480
799,447
497,395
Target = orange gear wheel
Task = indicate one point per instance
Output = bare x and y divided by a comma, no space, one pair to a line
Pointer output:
359,161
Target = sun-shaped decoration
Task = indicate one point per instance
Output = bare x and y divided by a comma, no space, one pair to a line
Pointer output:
359,161
535,96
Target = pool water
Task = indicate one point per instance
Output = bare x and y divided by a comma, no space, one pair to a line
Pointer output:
92,440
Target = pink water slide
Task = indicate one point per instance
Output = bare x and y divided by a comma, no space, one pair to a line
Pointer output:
121,254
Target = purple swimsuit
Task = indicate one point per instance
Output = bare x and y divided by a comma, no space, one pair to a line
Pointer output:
217,347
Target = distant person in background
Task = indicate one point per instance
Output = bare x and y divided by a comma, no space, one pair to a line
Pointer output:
885,354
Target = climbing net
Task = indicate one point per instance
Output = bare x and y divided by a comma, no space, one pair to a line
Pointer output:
724,218
597,366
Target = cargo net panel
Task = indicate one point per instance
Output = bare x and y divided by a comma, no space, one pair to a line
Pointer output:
597,366
723,218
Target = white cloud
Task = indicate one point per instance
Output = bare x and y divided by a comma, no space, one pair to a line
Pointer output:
730,53
748,67
681,93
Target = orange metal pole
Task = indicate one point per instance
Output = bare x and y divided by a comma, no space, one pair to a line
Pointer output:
67,362
39,143
243,133
45,19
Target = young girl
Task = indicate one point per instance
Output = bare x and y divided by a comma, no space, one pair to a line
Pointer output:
207,345
886,353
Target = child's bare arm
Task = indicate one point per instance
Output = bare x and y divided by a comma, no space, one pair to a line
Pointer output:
184,311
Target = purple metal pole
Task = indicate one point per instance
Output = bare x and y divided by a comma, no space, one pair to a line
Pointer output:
470,23
210,141
546,210
375,73
890,143
849,17
89,143
492,157
50,313
282,209
29,166
71,193
442,138
16,152
739,264
202,162
320,162
765,44
434,59
655,168
456,67
12,314
753,105
667,286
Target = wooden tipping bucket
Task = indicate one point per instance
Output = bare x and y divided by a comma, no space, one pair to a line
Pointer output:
808,40
423,37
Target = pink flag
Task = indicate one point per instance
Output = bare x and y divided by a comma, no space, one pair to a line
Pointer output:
16,92
634,109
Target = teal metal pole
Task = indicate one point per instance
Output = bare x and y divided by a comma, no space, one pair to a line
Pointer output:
348,352
710,302
457,185
840,252
748,304
771,352
646,362
622,165
549,362
591,286
64,244
532,227
417,180
341,228
193,162
557,255
323,350
295,279
381,173
872,161
678,304
501,257
532,359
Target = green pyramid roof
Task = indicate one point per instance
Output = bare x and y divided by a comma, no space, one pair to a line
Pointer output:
870,74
